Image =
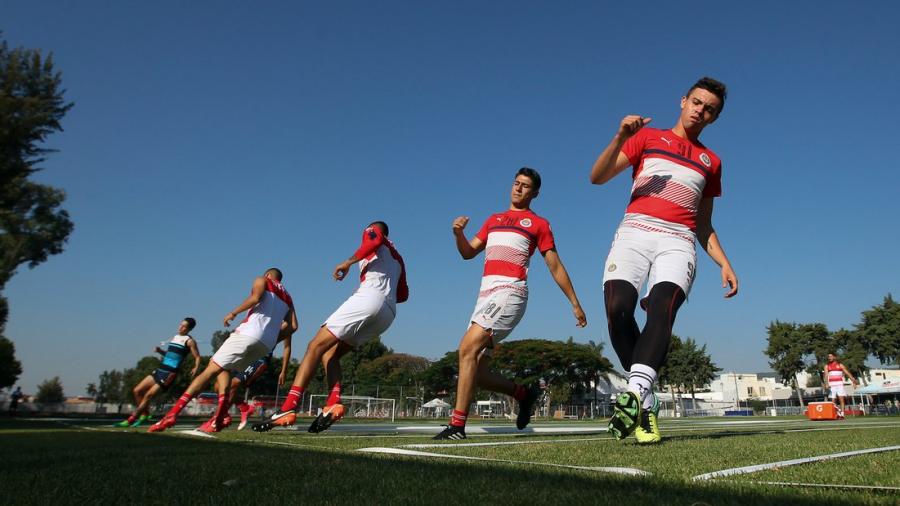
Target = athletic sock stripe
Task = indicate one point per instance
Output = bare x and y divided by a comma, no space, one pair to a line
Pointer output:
642,375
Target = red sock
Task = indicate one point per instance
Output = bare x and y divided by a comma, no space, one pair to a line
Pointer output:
222,409
519,393
458,418
242,406
293,398
132,418
335,396
180,404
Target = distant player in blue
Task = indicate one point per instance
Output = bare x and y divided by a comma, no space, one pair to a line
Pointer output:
160,380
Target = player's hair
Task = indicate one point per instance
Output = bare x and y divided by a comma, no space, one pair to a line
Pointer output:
191,323
713,86
275,272
381,225
532,175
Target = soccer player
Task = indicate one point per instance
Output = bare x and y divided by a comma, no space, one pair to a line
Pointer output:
366,314
269,305
163,377
676,178
248,376
509,238
834,372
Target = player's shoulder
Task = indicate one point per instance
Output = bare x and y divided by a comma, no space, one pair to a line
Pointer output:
536,220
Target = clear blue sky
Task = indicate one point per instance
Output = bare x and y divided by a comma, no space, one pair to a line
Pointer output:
211,140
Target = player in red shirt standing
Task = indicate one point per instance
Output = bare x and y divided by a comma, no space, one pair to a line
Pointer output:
509,239
676,178
834,375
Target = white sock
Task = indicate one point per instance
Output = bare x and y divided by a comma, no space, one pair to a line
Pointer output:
640,381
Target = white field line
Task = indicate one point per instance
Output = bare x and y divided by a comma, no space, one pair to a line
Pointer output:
195,432
503,443
399,451
610,438
282,443
816,485
793,462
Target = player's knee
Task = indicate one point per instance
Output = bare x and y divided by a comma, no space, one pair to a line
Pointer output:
620,297
664,300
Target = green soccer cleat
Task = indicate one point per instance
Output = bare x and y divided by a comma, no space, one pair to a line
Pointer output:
647,431
141,420
626,415
122,424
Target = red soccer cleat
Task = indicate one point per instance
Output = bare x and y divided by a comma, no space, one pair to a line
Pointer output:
167,422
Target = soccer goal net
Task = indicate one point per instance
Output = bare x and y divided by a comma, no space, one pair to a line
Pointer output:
357,407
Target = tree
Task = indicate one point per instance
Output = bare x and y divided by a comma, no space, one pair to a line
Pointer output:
440,377
10,368
32,226
880,328
110,388
786,349
701,370
673,372
218,338
50,392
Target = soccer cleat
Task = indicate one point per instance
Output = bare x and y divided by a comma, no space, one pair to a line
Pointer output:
278,419
140,421
123,423
226,421
167,421
210,426
452,432
329,416
647,432
526,407
246,411
626,415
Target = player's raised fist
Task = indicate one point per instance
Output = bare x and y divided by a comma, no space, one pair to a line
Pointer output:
631,124
460,223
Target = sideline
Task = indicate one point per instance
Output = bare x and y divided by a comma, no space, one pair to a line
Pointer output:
793,462
399,451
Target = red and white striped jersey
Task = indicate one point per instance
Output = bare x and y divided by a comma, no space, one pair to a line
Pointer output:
835,373
510,239
671,174
263,320
381,267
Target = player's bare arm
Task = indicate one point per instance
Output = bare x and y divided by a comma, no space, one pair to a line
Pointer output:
709,240
192,346
341,269
256,293
467,249
849,375
561,276
612,161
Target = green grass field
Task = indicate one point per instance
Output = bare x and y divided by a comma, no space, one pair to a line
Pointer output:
87,462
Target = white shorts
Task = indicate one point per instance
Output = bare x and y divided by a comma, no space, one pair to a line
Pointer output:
239,351
499,310
837,390
366,314
640,255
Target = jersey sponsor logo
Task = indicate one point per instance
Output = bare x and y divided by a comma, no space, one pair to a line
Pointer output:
525,222
705,159
667,141
612,267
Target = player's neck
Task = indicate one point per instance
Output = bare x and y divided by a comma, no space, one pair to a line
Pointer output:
513,207
691,135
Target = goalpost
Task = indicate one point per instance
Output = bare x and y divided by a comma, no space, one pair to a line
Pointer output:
359,407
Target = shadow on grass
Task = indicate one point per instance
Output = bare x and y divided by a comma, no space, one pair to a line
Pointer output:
84,467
